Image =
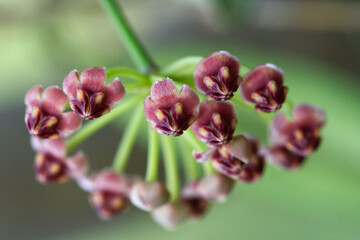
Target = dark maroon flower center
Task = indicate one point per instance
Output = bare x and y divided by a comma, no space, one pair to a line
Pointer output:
49,168
41,124
303,140
89,105
270,98
227,163
108,203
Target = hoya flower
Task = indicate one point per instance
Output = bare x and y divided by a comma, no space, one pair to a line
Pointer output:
51,163
263,86
149,195
192,196
215,187
172,214
44,115
282,157
302,134
169,112
88,95
216,122
109,193
217,76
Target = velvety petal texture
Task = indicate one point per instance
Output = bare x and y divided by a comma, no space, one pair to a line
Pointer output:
169,112
197,203
216,122
215,187
263,86
217,76
171,215
281,156
149,195
88,95
44,115
301,135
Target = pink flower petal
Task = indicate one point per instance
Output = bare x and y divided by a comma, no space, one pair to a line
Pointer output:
68,123
278,128
93,79
53,100
309,114
114,92
258,78
71,83
239,147
211,65
189,99
33,96
149,109
77,165
55,147
164,93
204,156
108,180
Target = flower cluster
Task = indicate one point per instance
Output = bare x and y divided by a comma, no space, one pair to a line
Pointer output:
205,121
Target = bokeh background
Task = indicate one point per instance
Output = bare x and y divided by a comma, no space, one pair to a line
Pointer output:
315,42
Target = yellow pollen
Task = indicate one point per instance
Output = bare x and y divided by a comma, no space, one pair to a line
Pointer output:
160,115
225,73
87,109
203,132
299,135
209,82
256,97
191,120
55,168
80,95
224,153
178,108
217,119
51,122
39,159
272,86
117,203
99,98
98,199
35,113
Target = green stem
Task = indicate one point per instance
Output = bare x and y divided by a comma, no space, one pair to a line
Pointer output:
181,67
127,72
91,127
199,147
128,139
171,168
137,52
190,165
153,156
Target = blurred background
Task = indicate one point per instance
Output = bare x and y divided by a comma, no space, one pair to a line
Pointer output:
316,43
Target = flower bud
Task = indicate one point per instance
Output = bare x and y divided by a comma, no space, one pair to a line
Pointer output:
217,76
191,196
282,157
169,112
216,122
215,187
88,95
149,195
171,215
300,136
263,86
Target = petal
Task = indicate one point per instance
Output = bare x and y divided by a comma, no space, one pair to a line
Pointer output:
108,180
309,114
277,129
211,65
36,143
164,93
258,78
86,183
77,165
71,84
114,92
149,109
204,156
239,147
68,123
33,96
171,215
55,147
189,99
93,79
53,100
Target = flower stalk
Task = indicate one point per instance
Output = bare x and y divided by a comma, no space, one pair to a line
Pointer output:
153,156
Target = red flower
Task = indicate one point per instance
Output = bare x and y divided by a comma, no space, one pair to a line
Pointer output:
88,95
51,163
300,136
169,112
44,115
263,86
217,76
216,122
282,157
